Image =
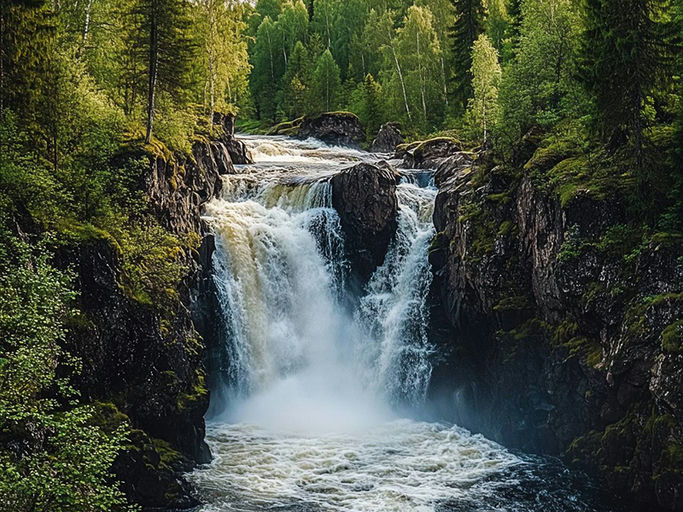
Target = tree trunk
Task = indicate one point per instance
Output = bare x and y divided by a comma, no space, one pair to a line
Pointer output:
86,28
443,77
422,77
153,63
403,85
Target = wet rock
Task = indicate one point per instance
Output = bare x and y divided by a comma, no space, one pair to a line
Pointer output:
365,198
428,154
388,137
336,128
144,364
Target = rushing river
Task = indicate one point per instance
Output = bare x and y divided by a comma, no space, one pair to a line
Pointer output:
313,412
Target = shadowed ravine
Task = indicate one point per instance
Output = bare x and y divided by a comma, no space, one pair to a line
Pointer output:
317,407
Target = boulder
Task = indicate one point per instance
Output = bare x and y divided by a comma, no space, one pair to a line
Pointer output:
428,154
388,137
337,128
365,198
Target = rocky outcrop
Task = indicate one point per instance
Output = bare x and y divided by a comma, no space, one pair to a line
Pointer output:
144,364
388,137
560,332
146,370
428,154
236,149
365,198
336,128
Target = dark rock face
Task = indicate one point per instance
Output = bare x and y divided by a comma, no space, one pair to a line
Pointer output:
560,345
179,187
428,154
365,198
388,137
236,149
145,367
337,128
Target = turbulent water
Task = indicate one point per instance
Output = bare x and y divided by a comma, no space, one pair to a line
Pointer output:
313,409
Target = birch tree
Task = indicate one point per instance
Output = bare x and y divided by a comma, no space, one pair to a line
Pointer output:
486,75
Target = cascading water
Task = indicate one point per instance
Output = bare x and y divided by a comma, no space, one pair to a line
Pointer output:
306,419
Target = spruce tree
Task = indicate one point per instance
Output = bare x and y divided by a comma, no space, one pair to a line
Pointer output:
469,23
625,57
165,44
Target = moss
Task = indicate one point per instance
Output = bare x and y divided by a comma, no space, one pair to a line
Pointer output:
108,417
507,227
531,327
672,338
573,246
167,455
198,392
512,303
437,242
422,145
670,462
287,127
666,240
565,331
160,151
501,197
551,152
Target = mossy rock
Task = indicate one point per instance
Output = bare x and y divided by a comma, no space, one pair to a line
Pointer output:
672,338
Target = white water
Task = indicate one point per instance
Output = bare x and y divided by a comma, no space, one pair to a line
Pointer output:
306,418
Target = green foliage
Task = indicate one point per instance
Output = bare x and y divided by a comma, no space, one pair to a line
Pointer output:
325,84
366,102
628,56
672,338
52,456
153,264
539,87
469,23
486,74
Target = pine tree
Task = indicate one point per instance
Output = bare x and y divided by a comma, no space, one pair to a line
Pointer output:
268,69
469,23
296,83
164,41
624,58
366,102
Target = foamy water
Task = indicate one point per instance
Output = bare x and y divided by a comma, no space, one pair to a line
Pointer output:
307,413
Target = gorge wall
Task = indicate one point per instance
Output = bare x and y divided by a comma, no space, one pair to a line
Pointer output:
567,333
143,365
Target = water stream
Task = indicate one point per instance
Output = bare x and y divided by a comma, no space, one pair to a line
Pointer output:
315,406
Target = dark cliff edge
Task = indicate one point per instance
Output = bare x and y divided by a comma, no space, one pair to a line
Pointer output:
566,322
144,365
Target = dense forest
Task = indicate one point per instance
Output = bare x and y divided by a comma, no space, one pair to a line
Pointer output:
90,88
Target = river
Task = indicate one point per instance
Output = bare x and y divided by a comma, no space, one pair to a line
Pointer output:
319,402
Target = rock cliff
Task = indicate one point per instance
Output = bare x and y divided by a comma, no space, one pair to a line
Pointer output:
143,364
567,330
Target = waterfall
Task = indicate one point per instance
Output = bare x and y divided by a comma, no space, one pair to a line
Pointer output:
318,378
281,278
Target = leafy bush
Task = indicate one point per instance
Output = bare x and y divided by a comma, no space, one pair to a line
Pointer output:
52,456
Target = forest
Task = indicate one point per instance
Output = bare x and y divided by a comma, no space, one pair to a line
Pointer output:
90,88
